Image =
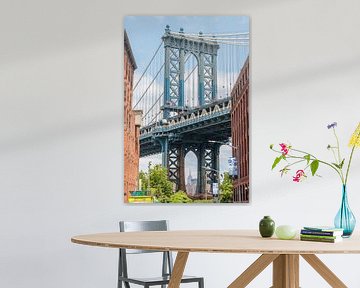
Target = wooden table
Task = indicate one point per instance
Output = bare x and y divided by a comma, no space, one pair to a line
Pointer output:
284,254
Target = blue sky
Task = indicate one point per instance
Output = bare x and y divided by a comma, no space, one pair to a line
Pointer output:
145,34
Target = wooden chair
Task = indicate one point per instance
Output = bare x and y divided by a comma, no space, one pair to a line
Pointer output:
167,262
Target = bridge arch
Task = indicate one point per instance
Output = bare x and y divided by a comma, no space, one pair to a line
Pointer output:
191,172
191,80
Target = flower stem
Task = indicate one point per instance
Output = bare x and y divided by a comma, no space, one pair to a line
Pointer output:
348,168
333,152
296,162
339,156
351,155
337,144
320,161
312,159
304,152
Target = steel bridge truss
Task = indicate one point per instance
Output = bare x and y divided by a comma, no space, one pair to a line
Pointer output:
186,132
207,164
177,47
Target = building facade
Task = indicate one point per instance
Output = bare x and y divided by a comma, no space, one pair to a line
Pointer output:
132,122
240,134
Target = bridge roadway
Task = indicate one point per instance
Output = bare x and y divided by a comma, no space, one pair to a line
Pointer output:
211,122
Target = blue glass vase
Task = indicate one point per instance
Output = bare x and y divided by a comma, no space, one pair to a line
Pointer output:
345,219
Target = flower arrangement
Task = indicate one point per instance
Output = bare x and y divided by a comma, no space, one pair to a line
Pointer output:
293,156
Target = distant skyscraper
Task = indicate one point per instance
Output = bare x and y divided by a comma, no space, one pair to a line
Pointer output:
191,184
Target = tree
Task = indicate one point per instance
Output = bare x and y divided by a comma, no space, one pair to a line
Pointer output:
143,177
161,187
180,197
226,189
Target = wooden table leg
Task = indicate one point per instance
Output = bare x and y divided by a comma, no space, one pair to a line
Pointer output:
324,271
178,270
253,270
286,271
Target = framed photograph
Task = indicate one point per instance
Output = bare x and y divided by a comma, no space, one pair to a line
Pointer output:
186,116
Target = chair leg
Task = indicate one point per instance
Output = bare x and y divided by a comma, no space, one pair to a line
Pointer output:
201,283
119,270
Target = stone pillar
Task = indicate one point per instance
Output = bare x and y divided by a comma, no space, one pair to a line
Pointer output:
201,178
164,142
181,169
215,163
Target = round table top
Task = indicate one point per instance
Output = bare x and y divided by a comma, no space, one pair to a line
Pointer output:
219,241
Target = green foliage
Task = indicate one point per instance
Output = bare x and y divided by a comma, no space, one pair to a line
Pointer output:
340,166
204,201
180,197
314,166
309,161
160,187
143,176
276,161
226,189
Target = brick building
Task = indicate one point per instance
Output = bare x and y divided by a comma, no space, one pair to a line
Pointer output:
132,121
240,133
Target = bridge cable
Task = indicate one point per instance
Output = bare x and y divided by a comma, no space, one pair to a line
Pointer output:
152,81
157,50
157,100
162,66
148,111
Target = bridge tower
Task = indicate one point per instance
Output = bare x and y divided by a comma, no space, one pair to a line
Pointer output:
177,46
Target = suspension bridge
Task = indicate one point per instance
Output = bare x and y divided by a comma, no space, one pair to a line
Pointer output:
184,95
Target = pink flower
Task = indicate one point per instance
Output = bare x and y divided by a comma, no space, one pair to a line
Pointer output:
300,174
284,148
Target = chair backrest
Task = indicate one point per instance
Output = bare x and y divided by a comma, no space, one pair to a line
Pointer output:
133,226
137,226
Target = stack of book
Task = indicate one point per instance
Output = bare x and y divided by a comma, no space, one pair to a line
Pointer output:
321,234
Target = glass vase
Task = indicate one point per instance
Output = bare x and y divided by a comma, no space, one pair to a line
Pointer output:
345,219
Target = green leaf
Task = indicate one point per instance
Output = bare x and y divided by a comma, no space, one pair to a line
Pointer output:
339,166
336,165
284,170
307,157
342,163
271,146
314,166
276,161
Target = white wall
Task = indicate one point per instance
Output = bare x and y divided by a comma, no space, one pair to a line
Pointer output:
61,133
